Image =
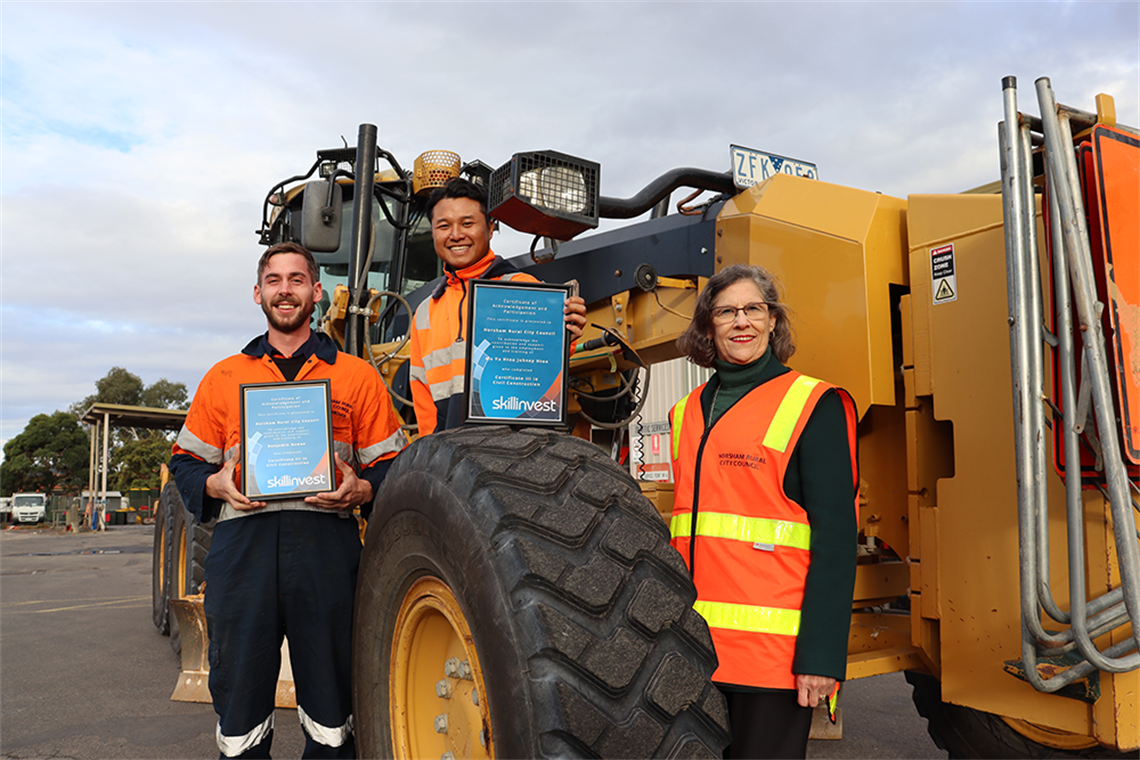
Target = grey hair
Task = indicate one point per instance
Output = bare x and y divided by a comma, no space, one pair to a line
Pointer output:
696,343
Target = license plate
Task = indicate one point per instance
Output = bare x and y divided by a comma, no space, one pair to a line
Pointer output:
750,167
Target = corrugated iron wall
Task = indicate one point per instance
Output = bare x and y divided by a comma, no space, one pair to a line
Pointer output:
649,433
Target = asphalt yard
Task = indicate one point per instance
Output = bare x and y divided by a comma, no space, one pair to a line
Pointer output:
85,674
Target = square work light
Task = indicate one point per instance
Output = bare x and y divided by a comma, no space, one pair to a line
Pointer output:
546,193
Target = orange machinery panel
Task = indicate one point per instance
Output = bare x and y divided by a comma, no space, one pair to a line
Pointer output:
1110,166
1116,162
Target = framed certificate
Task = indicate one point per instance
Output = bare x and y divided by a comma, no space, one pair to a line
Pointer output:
517,353
287,443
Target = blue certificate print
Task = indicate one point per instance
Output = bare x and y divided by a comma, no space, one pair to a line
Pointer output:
517,352
286,439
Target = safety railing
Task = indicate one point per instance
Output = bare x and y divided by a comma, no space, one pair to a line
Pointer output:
1090,394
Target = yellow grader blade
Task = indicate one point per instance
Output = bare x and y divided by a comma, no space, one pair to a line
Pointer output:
194,680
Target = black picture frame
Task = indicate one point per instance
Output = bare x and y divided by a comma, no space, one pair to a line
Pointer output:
517,354
286,440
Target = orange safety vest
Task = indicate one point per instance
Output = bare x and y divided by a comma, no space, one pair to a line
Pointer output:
754,542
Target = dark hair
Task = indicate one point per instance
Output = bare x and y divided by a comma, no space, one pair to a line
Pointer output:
296,248
458,187
696,343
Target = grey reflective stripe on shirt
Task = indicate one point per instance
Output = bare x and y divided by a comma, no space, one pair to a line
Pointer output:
187,441
423,319
230,512
444,391
344,451
232,746
393,443
330,737
441,357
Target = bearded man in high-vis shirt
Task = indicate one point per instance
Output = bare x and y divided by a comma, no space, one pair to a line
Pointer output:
286,567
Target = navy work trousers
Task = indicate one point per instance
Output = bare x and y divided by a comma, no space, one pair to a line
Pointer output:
767,725
276,574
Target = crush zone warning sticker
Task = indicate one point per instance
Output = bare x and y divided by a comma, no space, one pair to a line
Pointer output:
944,282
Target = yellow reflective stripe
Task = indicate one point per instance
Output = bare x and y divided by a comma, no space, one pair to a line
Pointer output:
745,617
754,530
678,418
792,405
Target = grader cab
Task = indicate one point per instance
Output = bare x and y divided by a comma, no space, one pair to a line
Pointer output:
518,582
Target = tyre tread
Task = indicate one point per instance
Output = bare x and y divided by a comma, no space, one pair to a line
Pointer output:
964,732
624,664
160,564
617,663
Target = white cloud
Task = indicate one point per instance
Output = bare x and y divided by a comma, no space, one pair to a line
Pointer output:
139,139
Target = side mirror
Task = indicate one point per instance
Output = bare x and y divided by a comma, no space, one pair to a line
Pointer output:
321,206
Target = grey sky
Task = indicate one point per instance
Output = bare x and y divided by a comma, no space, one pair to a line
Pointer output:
139,139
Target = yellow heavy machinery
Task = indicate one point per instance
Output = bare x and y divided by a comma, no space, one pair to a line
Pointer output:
517,584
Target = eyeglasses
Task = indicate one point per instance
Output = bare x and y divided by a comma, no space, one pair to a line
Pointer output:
755,312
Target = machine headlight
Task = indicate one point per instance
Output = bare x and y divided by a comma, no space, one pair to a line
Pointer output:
546,193
558,188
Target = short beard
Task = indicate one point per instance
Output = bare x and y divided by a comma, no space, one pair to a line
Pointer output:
303,315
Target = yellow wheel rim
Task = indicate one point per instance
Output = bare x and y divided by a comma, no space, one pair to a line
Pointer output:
161,563
1050,737
180,555
438,703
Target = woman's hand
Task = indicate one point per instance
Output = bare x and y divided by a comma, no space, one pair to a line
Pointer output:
813,690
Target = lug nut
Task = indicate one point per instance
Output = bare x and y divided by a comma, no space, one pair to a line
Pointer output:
443,688
441,724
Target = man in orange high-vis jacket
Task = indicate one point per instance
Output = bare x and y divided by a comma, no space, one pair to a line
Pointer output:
765,514
461,232
286,567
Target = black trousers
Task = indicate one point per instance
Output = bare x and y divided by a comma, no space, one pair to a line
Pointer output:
768,724
267,576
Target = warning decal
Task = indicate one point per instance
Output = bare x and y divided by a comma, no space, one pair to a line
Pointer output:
944,281
658,471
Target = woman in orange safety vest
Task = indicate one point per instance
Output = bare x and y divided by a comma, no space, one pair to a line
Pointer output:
765,479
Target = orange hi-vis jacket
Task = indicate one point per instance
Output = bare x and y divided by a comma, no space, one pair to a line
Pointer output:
438,343
753,547
365,427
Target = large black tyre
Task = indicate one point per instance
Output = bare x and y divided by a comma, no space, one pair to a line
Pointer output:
176,558
198,538
163,547
190,543
580,613
968,733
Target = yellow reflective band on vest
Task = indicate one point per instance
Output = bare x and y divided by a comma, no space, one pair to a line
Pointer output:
678,417
754,530
784,423
744,617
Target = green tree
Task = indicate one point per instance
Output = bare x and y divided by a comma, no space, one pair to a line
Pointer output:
165,395
52,450
118,386
136,454
138,463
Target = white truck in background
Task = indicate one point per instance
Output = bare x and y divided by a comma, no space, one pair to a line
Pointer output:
29,508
